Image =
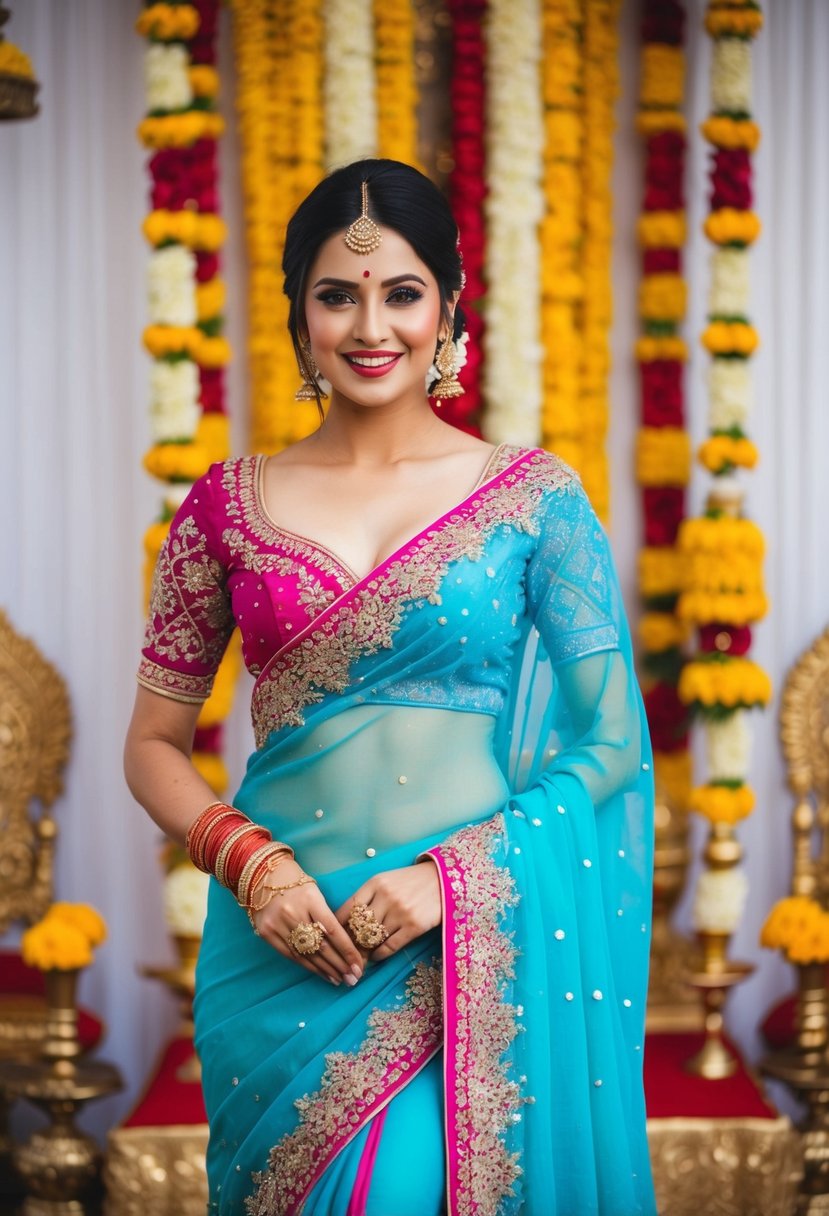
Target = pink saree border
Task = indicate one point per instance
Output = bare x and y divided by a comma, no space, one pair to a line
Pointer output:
363,620
478,1024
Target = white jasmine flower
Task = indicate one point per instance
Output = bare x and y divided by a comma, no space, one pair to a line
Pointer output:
728,747
171,286
185,900
166,77
731,86
174,405
719,900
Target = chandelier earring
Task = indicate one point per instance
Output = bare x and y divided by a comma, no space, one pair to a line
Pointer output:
448,385
309,390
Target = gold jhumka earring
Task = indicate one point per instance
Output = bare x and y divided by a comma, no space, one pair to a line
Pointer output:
448,386
309,390
363,236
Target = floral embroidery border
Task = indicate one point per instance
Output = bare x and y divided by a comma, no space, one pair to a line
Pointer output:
364,619
354,1087
176,685
479,1024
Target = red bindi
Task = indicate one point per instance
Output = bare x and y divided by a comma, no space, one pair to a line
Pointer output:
366,274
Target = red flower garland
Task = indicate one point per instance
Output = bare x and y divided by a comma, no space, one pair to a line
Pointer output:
466,194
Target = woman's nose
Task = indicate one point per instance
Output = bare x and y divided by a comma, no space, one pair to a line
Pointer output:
369,327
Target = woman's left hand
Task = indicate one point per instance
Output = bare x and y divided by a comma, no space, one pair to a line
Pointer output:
406,901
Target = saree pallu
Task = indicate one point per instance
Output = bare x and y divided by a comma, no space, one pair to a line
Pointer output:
470,704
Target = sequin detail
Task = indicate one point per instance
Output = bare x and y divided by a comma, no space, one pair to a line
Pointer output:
398,1044
365,619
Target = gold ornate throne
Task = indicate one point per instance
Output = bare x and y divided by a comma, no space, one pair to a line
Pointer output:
35,732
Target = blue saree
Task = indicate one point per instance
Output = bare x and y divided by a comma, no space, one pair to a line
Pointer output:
470,703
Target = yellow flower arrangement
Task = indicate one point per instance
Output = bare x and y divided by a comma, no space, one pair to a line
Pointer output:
204,80
662,78
13,62
660,631
651,349
210,299
730,338
203,232
397,95
722,803
661,229
653,122
721,452
717,535
663,456
64,939
731,608
733,683
179,130
731,132
187,461
731,227
168,22
662,297
739,22
800,927
729,571
660,571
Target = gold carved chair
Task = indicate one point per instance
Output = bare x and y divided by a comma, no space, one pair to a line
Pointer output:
35,732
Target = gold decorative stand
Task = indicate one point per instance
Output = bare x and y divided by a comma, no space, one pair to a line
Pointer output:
181,980
59,1165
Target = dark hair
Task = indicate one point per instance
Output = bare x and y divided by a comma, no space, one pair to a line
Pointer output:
399,197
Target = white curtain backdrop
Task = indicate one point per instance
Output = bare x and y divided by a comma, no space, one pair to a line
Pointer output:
74,501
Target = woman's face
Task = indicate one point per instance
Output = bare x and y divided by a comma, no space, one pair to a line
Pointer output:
373,320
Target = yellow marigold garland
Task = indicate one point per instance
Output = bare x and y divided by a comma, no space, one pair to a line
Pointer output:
397,95
798,926
562,281
64,939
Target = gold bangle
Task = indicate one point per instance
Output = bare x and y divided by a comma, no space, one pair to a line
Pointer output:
252,908
236,834
264,861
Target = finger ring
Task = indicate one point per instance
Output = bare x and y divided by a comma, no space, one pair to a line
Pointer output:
307,937
366,929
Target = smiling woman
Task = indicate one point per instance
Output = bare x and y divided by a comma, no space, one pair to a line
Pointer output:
441,1009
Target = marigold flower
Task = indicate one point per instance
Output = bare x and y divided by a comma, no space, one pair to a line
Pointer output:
662,75
652,122
800,927
13,62
663,456
83,917
722,451
730,338
731,684
660,571
650,349
168,22
731,132
743,23
662,297
728,226
660,631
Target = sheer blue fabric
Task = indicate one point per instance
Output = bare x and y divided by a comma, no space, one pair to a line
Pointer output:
505,697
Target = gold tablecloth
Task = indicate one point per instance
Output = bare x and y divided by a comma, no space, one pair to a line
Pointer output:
702,1167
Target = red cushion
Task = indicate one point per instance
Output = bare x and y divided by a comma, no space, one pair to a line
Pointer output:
18,978
778,1026
671,1091
167,1099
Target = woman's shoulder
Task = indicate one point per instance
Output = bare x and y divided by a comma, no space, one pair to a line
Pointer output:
544,471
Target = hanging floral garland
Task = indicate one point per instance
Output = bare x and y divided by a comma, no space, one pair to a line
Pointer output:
350,91
601,88
722,553
514,208
467,190
278,48
663,445
562,283
394,30
186,295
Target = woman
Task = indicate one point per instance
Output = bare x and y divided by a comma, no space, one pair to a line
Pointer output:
442,838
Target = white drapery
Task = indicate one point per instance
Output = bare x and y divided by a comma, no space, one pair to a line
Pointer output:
73,426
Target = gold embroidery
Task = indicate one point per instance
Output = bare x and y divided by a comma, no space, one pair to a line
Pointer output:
483,1024
353,1082
312,595
367,618
190,618
176,685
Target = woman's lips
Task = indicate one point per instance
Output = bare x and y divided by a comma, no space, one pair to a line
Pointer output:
372,363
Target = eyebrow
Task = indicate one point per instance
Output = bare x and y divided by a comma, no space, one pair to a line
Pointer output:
400,278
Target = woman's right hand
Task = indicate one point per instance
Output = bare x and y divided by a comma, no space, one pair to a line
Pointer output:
338,960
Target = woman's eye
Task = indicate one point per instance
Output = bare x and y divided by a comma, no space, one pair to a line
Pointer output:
405,295
334,297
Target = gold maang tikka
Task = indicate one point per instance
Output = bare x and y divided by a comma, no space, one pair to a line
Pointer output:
363,236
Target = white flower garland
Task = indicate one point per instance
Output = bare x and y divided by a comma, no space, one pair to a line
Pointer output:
174,400
728,747
728,294
185,900
166,77
171,286
349,89
730,394
514,208
731,82
719,900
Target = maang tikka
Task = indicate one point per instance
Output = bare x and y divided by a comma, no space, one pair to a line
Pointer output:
363,236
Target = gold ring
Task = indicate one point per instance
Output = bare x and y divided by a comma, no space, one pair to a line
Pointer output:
366,929
307,937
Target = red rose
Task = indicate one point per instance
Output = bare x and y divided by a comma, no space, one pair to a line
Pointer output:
667,718
661,261
664,508
727,639
662,393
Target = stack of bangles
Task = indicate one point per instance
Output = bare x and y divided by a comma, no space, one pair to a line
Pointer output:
224,842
